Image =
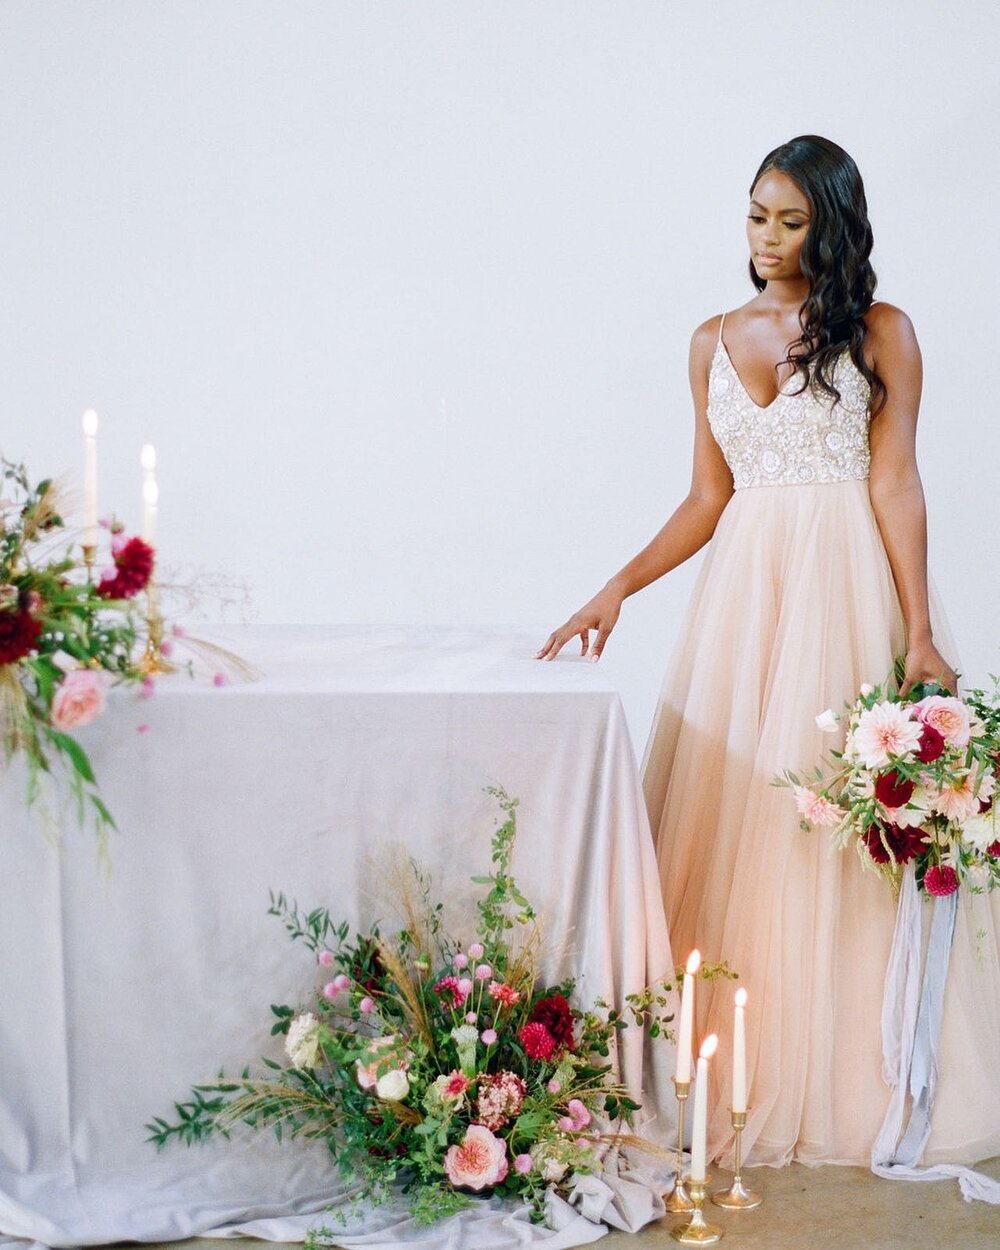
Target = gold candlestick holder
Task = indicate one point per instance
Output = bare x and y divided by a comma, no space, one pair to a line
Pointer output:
677,1200
89,558
737,1197
697,1231
152,660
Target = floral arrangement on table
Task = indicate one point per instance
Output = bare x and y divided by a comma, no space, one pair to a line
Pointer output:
64,637
915,782
441,1067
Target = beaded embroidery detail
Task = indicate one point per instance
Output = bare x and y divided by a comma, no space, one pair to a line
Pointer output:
796,439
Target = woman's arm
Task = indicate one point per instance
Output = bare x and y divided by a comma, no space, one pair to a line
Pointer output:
687,531
896,492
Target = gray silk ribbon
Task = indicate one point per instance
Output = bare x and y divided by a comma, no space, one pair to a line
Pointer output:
912,1010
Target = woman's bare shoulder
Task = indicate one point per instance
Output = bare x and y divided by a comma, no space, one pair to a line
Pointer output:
888,324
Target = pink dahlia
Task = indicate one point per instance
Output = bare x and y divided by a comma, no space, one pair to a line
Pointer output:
506,995
479,1162
883,730
941,880
816,809
537,1041
132,571
499,1099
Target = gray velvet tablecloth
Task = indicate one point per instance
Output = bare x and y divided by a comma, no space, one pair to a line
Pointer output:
118,992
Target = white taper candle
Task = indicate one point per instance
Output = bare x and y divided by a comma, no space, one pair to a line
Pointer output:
90,478
740,1053
686,1029
699,1131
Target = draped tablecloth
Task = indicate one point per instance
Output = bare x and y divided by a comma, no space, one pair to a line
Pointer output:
119,991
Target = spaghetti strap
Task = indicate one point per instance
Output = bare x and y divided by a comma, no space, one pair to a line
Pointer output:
721,324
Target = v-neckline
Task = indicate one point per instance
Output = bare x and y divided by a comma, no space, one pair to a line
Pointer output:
736,375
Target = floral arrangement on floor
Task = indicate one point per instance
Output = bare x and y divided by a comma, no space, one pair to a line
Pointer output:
915,782
438,1066
64,638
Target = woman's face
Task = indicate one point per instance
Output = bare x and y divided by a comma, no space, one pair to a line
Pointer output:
777,224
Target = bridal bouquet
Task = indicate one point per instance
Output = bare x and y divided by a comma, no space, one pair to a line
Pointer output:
438,1065
63,638
916,781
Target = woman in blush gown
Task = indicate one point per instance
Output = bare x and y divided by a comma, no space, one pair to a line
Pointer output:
805,487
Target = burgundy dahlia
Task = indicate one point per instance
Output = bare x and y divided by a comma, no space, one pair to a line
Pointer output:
941,879
133,569
931,745
554,1012
537,1041
18,635
891,790
994,849
905,844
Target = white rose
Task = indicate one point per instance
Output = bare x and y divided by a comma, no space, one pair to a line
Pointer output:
827,721
302,1042
393,1086
553,1170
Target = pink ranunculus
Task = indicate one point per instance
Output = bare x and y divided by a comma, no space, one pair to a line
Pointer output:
79,699
949,716
479,1162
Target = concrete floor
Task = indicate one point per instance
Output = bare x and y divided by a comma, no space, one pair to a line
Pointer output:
818,1209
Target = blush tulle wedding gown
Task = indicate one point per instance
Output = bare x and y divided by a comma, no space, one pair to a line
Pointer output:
794,608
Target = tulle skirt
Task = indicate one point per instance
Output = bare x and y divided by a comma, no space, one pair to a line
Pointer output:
794,608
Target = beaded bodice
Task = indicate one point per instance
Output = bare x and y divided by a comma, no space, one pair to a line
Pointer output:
796,439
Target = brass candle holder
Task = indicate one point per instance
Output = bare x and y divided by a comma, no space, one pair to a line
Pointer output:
152,660
89,558
697,1231
737,1197
678,1201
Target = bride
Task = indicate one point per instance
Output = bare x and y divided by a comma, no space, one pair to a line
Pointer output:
806,490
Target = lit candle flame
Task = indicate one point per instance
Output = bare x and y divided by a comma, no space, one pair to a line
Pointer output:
90,423
741,997
694,962
147,457
708,1046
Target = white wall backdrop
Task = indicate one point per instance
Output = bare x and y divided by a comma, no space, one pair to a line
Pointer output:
402,291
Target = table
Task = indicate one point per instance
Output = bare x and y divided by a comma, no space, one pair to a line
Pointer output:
119,991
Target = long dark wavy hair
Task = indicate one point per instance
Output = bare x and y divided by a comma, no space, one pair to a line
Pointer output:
834,261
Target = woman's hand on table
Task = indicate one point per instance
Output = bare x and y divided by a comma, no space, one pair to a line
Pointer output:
600,614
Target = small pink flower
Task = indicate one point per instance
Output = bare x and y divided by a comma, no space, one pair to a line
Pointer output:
817,810
476,950
453,1085
471,1017
325,958
523,1164
460,961
142,729
488,1037
484,972
367,1005
147,689
118,541
581,1116
554,1086
219,679
341,981
167,647
330,991
567,1124
178,631
78,700
941,879
108,573
479,1162
465,987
